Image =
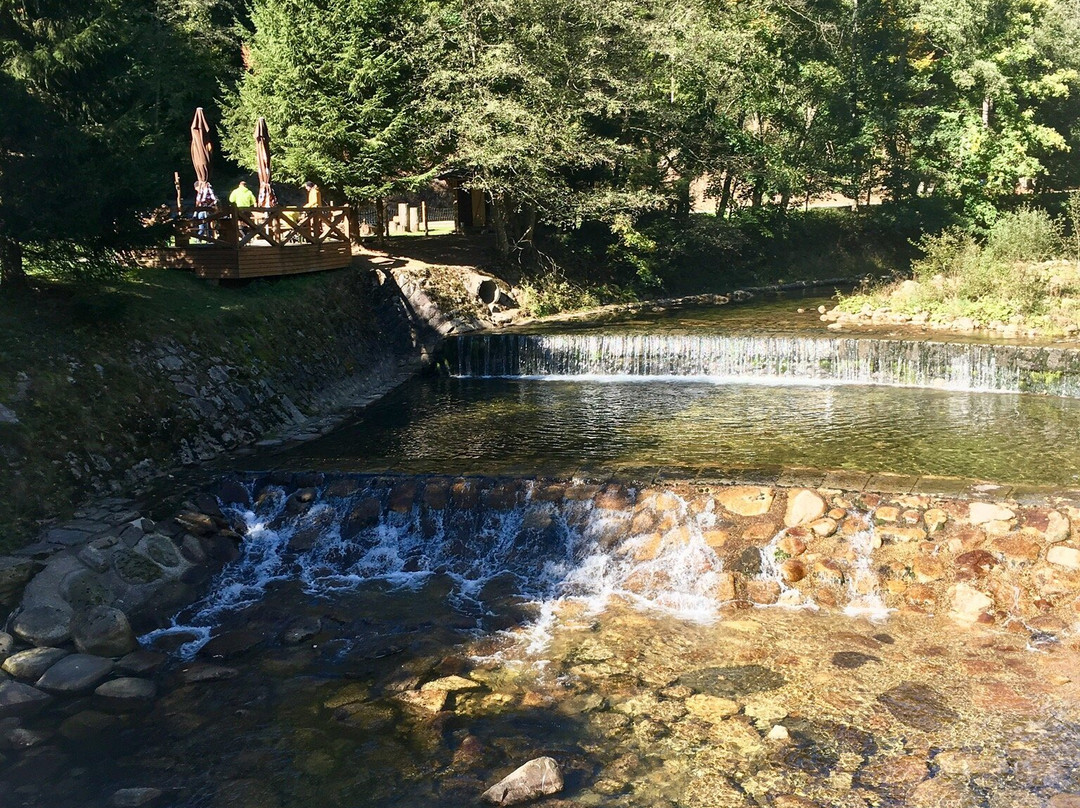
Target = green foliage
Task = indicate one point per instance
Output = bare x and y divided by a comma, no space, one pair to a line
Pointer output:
1072,215
335,82
95,97
551,293
1001,277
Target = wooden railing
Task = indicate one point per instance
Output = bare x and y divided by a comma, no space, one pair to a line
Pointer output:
276,227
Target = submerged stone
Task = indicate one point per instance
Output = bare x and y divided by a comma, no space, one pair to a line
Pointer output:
917,705
539,777
733,682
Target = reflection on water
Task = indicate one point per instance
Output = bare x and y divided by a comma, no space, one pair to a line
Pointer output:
438,424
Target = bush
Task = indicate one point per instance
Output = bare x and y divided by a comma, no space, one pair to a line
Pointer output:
1027,234
551,293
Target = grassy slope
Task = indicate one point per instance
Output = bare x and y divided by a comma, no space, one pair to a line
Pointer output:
84,398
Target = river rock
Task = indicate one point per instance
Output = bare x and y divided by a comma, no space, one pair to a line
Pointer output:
77,673
205,672
87,725
43,625
452,684
803,506
15,573
934,519
126,694
712,709
141,663
18,699
1057,527
746,500
134,797
31,664
1064,556
968,603
979,513
231,644
539,777
917,705
432,701
7,645
103,631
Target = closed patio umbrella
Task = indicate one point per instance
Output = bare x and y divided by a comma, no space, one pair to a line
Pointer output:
262,157
201,147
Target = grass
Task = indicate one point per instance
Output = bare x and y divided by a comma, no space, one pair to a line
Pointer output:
1014,276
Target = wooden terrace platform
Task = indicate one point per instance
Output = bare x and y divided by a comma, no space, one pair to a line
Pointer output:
233,244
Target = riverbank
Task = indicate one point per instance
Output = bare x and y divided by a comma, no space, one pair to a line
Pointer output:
102,390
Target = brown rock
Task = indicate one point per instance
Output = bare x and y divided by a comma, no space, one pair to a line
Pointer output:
725,586
745,500
911,517
837,514
826,526
968,603
803,506
436,494
829,570
792,571
934,519
1057,527
921,597
713,709
431,701
974,564
887,513
826,597
614,498
1016,548
765,593
979,513
927,569
402,496
464,494
716,538
791,544
760,532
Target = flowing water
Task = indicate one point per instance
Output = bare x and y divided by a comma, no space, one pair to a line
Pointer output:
406,641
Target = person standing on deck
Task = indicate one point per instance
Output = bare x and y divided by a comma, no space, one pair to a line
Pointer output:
205,200
314,200
242,196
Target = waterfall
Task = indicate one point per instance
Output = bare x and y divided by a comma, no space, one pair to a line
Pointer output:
840,360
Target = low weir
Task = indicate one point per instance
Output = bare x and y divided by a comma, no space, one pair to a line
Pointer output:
969,367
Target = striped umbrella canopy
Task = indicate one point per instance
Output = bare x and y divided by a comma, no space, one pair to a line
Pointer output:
201,147
262,157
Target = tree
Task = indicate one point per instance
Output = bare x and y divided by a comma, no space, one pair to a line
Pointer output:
97,94
338,90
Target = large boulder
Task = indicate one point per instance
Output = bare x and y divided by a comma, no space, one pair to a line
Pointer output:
78,673
126,694
29,665
43,625
103,631
803,506
537,778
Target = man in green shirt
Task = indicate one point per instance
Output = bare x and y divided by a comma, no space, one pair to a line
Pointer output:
242,196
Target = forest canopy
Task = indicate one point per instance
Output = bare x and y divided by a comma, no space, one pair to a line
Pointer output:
563,111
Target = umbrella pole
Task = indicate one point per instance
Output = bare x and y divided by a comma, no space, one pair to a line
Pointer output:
176,182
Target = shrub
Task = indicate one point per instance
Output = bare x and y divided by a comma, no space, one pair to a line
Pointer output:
551,293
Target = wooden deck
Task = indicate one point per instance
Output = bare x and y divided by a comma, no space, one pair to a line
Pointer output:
256,242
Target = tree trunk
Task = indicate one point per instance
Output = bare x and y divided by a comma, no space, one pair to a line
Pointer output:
499,220
380,222
12,273
725,193
530,228
758,193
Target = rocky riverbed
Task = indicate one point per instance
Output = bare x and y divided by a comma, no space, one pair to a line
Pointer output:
403,641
